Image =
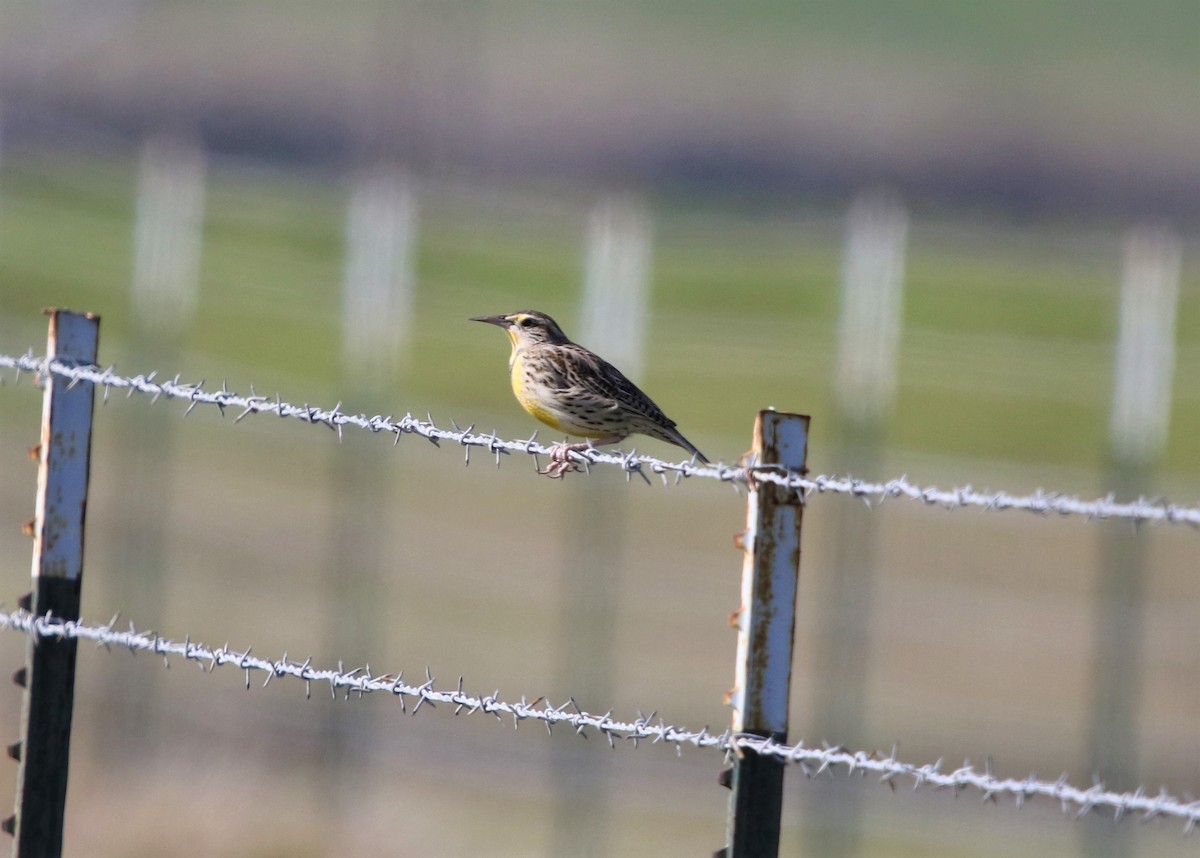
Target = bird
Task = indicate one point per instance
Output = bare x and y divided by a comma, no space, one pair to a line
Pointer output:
575,391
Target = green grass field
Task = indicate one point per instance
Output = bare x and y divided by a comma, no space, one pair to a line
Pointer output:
1006,353
983,622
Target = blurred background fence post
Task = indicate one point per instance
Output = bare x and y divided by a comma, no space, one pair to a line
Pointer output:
869,325
379,228
377,282
64,461
168,237
766,624
380,267
168,234
1141,411
615,303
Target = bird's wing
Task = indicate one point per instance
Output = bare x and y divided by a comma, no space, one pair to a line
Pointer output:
588,374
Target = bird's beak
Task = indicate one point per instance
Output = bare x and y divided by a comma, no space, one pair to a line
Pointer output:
502,321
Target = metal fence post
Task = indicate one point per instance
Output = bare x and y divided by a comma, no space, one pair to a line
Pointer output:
766,625
49,674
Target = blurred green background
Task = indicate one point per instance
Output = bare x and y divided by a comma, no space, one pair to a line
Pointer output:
1024,140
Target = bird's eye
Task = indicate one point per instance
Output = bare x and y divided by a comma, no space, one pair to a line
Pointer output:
527,322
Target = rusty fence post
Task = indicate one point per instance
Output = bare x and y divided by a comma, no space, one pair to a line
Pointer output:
64,457
766,625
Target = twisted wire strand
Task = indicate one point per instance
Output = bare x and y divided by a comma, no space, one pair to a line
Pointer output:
1041,502
813,761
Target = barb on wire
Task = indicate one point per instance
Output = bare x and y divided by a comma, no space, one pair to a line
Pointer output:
1040,502
812,760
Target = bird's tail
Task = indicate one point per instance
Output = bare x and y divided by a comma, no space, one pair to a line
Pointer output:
673,435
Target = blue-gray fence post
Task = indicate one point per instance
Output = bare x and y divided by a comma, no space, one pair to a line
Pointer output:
766,626
64,457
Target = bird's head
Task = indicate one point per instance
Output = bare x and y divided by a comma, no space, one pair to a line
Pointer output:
527,328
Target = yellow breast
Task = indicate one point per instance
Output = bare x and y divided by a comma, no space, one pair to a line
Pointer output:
527,396
541,404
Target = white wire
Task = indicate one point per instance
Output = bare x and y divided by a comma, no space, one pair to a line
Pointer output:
1041,502
813,761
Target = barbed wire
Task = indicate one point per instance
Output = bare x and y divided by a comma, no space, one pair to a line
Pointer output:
650,728
1040,502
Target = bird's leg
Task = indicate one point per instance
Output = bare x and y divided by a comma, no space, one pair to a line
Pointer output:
561,462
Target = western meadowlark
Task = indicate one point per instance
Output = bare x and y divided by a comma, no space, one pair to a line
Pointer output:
576,391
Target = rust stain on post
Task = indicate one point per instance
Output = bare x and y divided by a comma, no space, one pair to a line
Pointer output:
769,579
65,450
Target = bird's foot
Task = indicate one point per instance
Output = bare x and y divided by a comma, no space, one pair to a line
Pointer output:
561,462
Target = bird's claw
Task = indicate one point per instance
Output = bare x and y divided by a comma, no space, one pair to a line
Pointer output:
558,470
561,462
